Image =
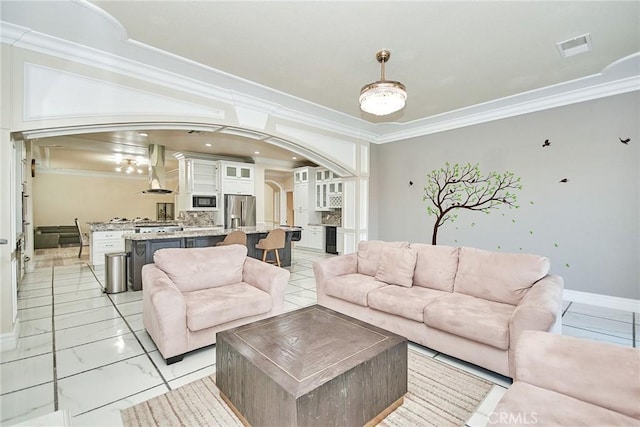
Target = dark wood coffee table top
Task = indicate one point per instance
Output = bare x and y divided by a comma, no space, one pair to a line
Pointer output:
303,349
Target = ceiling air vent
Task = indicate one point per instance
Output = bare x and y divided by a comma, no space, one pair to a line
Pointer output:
575,46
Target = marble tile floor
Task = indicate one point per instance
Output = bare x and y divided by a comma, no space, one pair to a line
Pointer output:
87,352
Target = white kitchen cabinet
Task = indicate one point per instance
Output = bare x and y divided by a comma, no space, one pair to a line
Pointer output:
237,178
301,175
104,242
322,196
340,240
300,196
204,177
315,237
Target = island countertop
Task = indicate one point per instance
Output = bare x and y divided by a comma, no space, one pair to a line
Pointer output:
203,232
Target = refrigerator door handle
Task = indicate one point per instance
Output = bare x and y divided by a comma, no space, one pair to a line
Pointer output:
242,218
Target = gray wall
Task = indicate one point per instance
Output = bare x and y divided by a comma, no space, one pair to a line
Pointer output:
588,227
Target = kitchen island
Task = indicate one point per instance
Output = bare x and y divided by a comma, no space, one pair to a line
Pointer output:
141,246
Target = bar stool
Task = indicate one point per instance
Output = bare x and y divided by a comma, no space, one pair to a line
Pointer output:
234,238
273,242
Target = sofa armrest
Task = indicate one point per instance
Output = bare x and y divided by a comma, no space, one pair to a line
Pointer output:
164,312
268,278
539,310
600,373
329,268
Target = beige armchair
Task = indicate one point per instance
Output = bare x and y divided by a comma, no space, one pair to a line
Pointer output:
274,241
190,294
566,381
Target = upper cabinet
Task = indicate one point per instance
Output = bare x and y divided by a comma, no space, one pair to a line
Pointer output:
328,193
204,177
301,175
237,178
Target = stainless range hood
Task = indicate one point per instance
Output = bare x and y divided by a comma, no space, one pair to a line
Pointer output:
157,184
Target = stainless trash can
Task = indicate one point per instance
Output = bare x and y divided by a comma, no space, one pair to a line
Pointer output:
115,270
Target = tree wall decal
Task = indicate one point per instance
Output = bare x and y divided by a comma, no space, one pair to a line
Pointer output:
464,187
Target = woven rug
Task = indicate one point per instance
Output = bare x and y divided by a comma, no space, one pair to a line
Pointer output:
439,395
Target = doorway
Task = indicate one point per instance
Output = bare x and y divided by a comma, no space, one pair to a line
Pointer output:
290,215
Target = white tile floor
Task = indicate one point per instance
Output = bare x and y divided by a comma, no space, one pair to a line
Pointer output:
87,352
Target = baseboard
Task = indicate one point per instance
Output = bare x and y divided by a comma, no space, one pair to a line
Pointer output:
617,303
9,340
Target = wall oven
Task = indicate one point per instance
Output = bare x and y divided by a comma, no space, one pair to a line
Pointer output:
209,202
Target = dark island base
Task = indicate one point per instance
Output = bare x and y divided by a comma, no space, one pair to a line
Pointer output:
140,252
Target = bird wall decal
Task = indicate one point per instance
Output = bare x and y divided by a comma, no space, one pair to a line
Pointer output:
546,143
564,180
625,141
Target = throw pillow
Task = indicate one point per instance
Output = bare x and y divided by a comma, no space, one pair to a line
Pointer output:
396,266
369,254
499,277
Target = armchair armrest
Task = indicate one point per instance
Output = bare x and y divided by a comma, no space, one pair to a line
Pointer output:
539,310
600,373
164,312
268,278
329,268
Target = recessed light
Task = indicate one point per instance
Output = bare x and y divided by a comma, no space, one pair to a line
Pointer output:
207,144
256,152
143,134
294,158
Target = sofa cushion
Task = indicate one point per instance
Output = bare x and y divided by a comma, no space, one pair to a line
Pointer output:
404,302
474,318
396,266
352,287
369,254
527,404
436,266
500,277
222,304
192,269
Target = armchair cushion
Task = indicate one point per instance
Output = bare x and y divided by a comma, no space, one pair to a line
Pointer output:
540,407
202,268
473,318
499,277
215,306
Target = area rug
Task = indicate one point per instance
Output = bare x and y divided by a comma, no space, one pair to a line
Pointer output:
439,395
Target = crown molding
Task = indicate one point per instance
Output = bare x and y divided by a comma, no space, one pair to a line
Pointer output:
140,61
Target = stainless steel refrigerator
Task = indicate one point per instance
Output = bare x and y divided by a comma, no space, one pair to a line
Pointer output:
239,211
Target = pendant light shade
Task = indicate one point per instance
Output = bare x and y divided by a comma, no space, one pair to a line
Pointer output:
384,96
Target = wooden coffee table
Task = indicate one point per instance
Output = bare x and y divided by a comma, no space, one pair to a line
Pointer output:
309,367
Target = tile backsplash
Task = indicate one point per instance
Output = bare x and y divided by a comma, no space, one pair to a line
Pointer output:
333,217
197,218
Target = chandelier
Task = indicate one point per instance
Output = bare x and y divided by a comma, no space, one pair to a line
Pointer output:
384,96
129,165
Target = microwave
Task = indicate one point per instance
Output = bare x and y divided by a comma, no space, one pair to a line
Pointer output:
204,202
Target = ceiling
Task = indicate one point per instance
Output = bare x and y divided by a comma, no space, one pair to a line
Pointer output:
449,54
98,151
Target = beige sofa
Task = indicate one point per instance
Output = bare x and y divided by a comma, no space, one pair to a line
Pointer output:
566,381
190,294
468,303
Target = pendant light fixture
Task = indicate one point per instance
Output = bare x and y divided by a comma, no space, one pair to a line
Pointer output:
384,96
